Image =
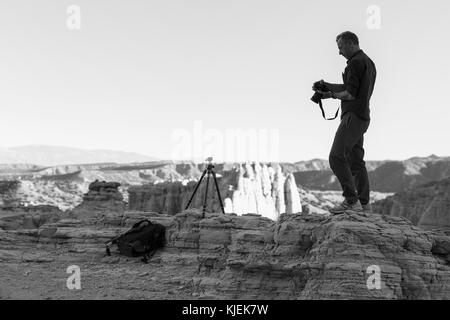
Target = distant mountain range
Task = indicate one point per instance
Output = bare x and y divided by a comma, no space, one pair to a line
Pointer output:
43,155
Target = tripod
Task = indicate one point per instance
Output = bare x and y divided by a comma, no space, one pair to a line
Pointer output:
209,171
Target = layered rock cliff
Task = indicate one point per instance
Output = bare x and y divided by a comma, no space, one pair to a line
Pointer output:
225,256
427,206
29,217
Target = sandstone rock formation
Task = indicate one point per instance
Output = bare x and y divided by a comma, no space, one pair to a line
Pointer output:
8,191
301,256
15,215
162,197
29,217
427,206
102,200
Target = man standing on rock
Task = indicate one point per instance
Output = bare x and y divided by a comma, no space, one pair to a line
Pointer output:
347,153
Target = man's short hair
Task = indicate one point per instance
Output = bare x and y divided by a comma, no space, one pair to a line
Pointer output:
348,36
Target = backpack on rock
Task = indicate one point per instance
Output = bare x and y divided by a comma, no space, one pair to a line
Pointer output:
142,240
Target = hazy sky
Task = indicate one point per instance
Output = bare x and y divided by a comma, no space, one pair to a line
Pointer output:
138,72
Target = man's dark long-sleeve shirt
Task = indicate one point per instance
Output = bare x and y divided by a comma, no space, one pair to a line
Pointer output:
359,80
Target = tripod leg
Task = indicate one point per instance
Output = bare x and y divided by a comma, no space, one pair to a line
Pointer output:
218,192
206,194
195,190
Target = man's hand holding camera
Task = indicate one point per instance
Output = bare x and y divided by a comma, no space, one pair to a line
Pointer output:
325,95
321,91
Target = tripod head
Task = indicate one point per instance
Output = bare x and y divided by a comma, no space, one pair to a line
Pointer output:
209,166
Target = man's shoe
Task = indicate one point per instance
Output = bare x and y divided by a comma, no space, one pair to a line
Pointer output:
345,207
367,208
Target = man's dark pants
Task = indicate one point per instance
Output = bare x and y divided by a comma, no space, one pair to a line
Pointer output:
346,158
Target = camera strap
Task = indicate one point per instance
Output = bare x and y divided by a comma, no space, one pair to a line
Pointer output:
323,112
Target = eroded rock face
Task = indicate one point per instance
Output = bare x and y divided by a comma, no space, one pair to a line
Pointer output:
29,217
102,200
235,257
248,188
427,206
166,197
8,193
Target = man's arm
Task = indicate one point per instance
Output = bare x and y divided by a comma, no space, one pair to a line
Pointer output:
335,87
343,95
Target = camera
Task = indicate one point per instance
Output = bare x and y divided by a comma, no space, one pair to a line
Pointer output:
321,86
